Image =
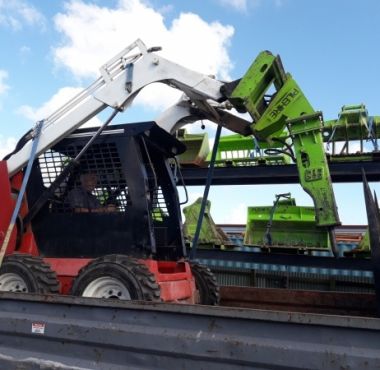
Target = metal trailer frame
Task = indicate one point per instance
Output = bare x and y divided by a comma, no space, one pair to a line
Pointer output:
340,172
83,333
278,174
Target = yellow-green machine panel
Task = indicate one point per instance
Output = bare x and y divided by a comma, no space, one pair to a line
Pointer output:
284,225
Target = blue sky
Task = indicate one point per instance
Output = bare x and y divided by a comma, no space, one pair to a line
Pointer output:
52,49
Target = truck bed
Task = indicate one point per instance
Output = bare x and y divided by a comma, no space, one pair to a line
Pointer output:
63,332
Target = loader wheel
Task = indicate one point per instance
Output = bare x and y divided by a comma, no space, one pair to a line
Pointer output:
116,276
27,274
206,284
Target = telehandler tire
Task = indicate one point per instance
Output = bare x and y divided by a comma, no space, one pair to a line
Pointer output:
116,276
206,284
27,274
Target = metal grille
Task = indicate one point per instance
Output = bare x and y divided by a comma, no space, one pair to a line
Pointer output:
264,278
159,207
51,165
101,159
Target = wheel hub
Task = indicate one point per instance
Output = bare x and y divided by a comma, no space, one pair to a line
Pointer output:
11,282
107,287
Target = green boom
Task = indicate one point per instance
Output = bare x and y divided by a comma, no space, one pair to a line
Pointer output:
275,102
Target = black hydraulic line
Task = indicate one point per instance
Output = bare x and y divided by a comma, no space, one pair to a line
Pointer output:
178,168
268,235
290,151
210,172
20,144
65,172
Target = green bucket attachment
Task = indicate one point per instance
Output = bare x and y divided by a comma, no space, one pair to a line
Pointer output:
353,123
210,235
239,150
197,148
285,226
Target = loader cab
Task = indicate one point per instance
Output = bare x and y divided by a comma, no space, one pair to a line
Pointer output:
133,169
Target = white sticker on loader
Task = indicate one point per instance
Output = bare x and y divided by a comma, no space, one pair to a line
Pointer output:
38,328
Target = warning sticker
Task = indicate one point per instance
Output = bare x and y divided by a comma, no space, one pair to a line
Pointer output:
38,328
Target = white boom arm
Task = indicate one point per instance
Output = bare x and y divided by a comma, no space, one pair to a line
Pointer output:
185,112
121,80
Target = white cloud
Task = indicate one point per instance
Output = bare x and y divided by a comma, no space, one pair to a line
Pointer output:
3,86
243,6
93,34
7,144
239,5
56,101
17,13
166,9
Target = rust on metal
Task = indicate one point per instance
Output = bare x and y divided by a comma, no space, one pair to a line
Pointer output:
336,303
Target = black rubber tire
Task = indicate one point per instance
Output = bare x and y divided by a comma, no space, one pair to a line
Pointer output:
137,278
37,274
206,284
